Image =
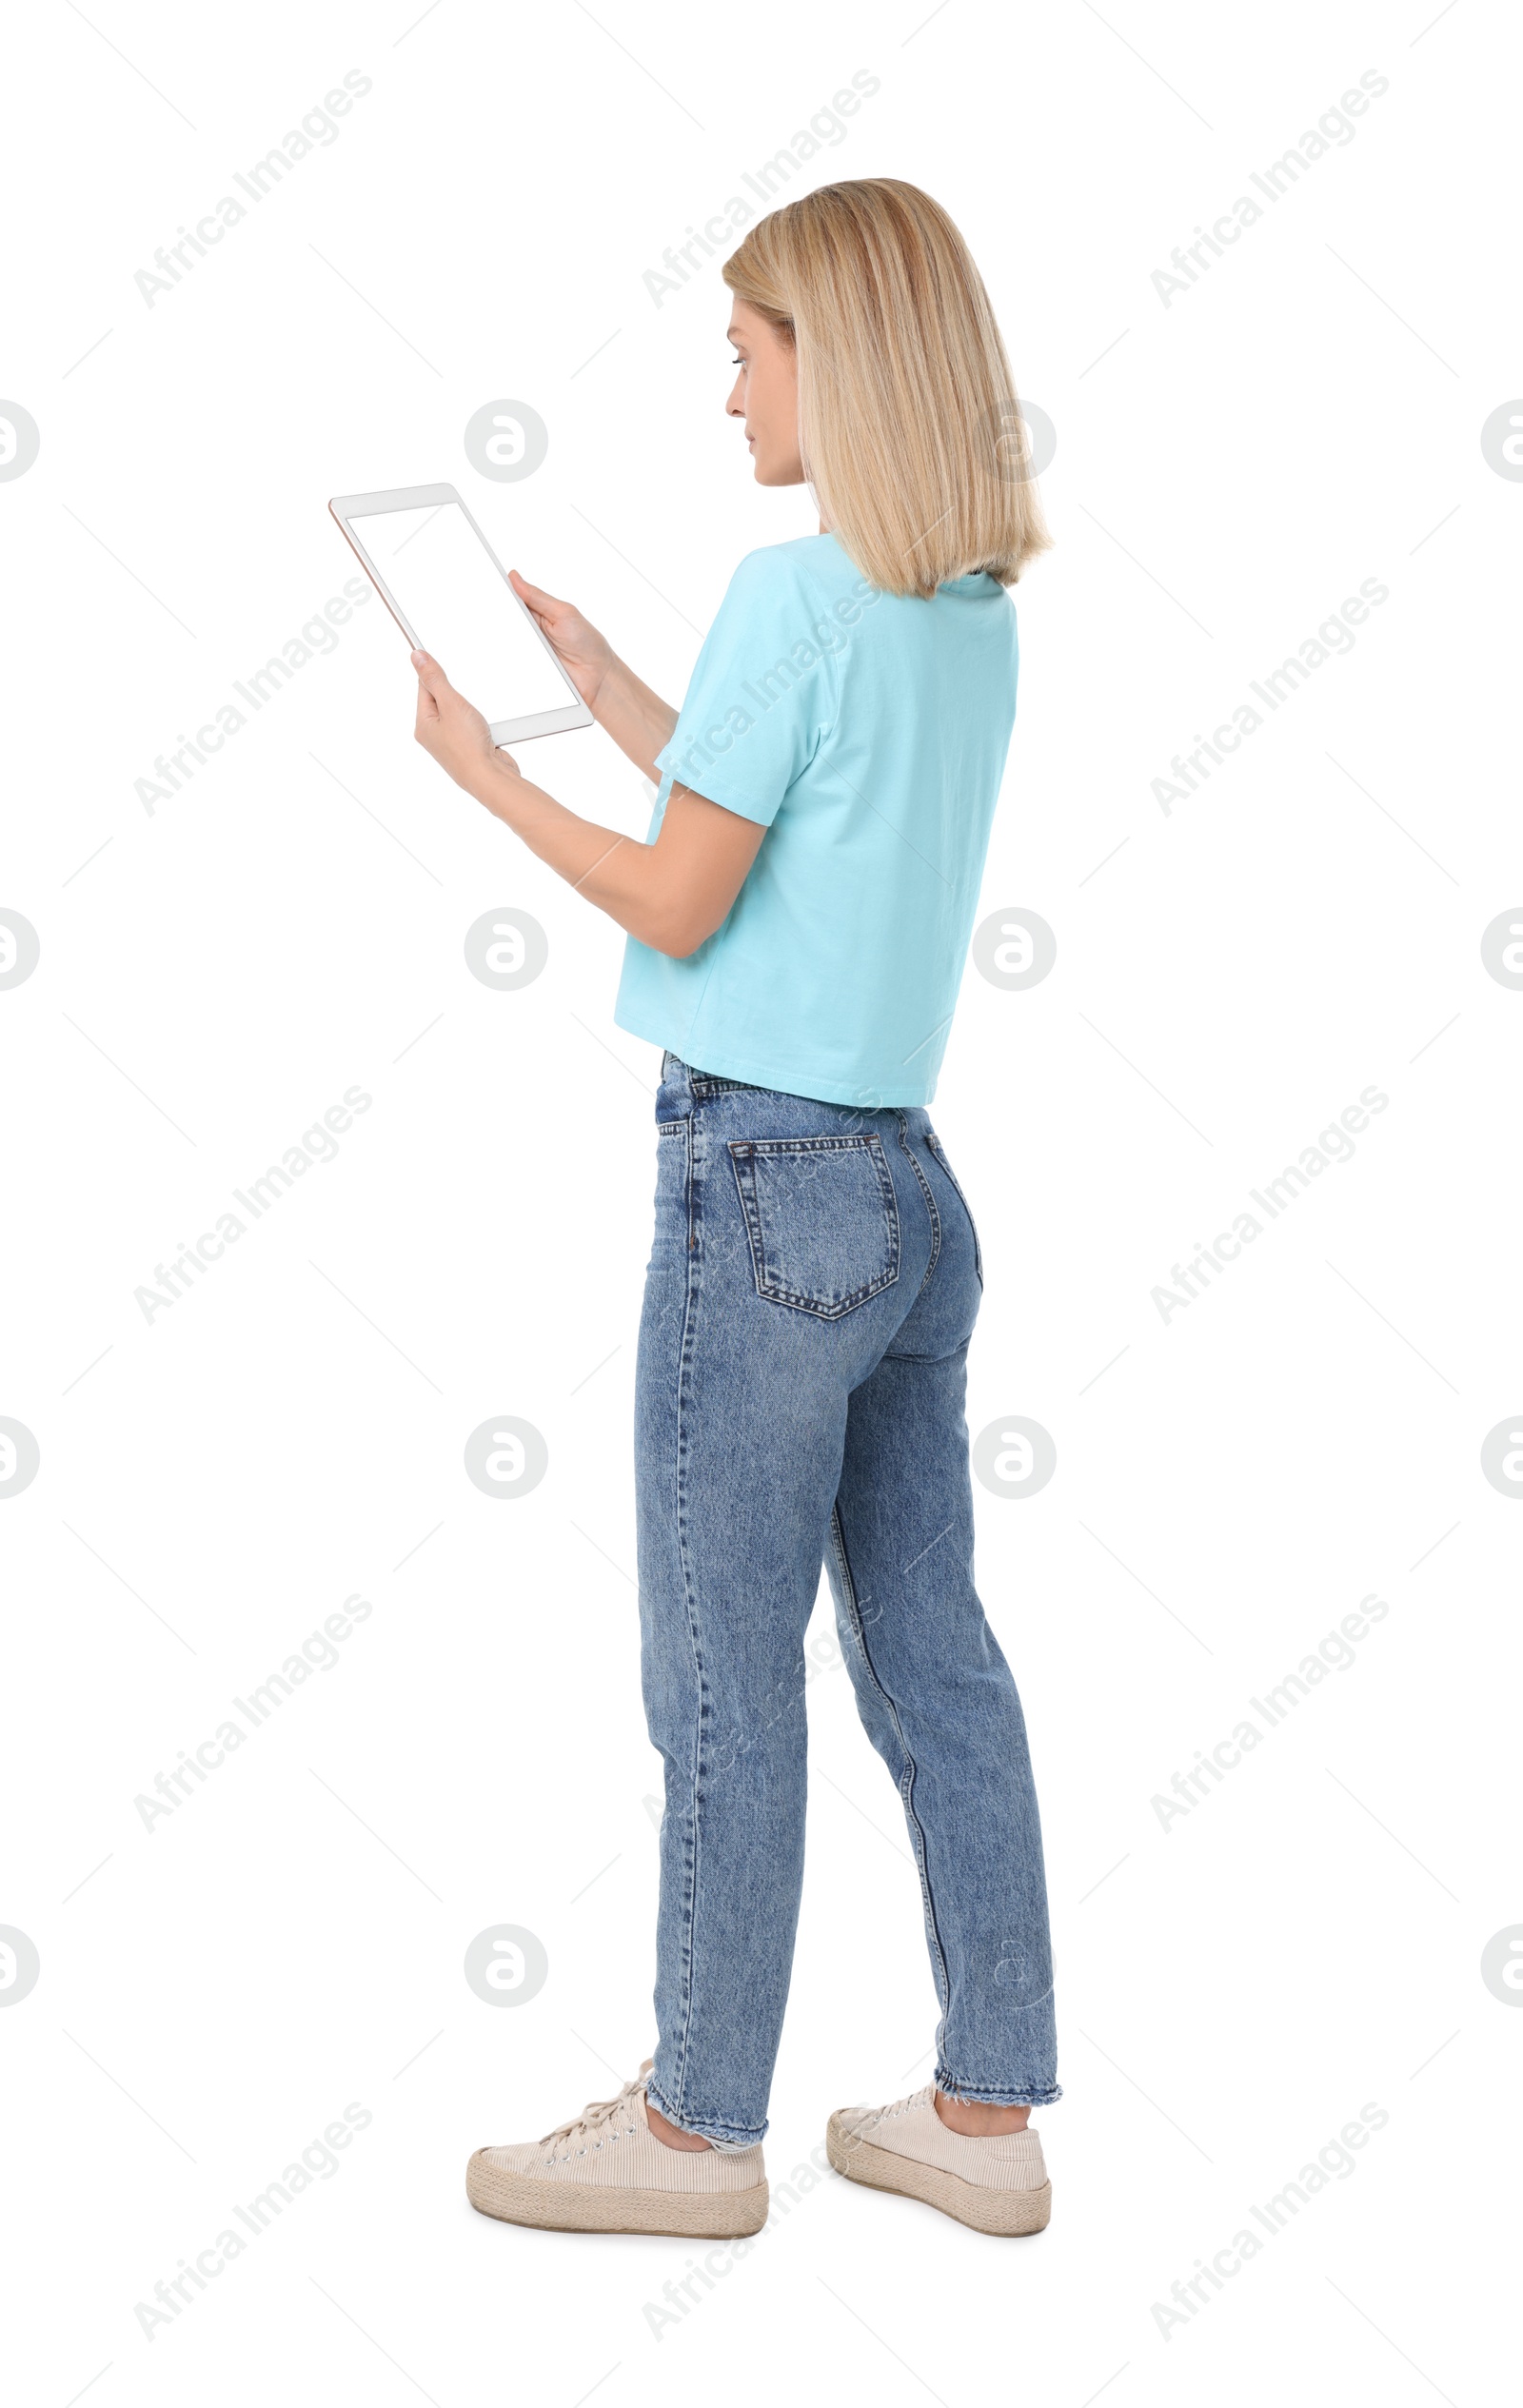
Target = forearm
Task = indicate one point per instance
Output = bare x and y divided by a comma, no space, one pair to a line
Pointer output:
618,874
671,895
637,719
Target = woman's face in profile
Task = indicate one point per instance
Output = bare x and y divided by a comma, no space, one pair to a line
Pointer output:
765,395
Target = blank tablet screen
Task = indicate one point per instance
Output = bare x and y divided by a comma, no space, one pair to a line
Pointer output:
450,591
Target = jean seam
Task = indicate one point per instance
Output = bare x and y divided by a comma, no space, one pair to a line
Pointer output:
906,1781
935,1144
930,1205
684,1392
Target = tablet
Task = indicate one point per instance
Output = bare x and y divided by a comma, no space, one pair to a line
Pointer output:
449,593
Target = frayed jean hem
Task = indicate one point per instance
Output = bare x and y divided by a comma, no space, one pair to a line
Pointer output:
987,2095
719,2136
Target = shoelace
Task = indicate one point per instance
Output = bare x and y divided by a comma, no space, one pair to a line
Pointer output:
597,2113
926,2097
902,2106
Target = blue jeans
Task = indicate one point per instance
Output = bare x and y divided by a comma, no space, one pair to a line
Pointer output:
812,1287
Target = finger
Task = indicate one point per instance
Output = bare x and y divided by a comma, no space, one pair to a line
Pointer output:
537,600
431,676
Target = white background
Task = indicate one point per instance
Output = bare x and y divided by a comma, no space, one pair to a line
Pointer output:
1230,1483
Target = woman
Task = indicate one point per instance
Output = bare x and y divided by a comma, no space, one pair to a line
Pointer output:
797,924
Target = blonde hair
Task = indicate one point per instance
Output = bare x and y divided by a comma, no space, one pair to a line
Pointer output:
908,424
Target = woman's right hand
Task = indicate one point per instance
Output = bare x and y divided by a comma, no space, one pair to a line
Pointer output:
585,656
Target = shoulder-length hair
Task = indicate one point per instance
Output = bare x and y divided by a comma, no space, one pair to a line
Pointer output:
908,423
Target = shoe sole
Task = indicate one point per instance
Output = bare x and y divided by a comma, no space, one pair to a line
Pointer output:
1006,2213
586,2207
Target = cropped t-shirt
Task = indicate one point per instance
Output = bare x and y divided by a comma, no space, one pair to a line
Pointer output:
867,733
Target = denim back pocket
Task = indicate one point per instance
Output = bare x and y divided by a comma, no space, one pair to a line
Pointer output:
821,1217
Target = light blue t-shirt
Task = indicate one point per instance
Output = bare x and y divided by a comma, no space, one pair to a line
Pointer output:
867,733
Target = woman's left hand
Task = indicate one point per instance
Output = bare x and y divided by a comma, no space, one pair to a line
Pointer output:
454,731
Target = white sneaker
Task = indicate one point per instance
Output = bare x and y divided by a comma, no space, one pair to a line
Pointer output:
607,2171
997,2184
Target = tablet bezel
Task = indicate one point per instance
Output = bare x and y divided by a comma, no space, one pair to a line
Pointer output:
361,505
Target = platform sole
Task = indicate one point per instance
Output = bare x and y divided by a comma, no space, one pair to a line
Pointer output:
1006,2213
589,2207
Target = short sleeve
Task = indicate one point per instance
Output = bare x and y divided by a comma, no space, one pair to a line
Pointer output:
762,692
